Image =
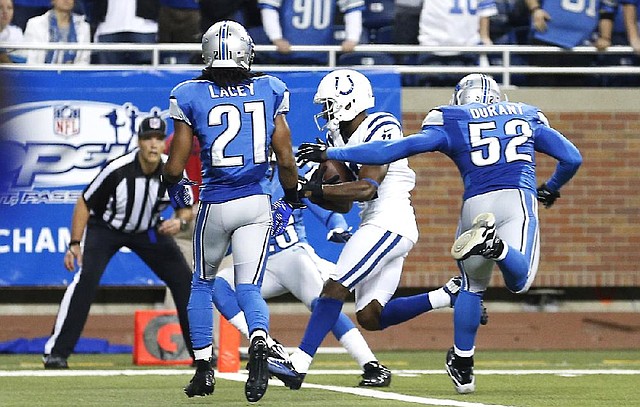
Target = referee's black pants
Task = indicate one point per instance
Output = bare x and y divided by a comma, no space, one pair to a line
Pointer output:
101,243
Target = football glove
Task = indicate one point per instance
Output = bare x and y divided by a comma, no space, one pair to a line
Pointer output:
315,152
546,196
339,235
180,193
281,211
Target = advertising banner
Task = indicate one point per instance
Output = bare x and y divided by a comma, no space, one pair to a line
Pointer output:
60,128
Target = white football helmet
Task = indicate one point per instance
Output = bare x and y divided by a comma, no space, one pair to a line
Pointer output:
344,93
226,44
476,88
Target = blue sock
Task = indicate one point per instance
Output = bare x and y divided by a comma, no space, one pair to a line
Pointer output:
323,318
225,298
254,306
342,325
402,309
466,319
200,312
514,268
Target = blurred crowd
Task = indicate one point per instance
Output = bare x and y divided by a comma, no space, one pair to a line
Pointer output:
283,23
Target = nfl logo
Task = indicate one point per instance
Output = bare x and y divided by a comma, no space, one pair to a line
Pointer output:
66,120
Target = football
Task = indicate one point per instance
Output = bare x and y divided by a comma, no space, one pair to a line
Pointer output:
333,168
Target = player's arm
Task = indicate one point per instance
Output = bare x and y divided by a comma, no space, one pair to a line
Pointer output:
179,152
551,142
334,221
630,16
384,152
365,188
282,148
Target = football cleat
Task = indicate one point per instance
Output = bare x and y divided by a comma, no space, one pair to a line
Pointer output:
203,381
452,287
283,369
375,375
460,370
55,362
481,239
258,379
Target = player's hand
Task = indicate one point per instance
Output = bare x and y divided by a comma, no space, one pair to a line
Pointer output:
540,18
546,196
339,235
282,46
312,187
281,212
180,193
316,152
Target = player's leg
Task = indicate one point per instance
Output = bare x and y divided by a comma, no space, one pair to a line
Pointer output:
99,246
476,273
250,241
502,226
210,244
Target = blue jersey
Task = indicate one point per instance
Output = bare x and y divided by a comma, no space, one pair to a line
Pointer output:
295,231
572,22
311,23
492,146
234,126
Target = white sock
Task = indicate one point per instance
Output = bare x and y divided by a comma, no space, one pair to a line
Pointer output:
203,354
256,333
464,353
240,323
301,361
439,298
354,343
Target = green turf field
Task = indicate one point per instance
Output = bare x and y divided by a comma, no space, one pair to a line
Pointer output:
527,379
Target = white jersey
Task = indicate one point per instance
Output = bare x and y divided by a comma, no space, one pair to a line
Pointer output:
392,209
452,22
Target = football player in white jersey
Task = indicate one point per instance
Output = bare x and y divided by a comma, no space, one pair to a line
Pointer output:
371,262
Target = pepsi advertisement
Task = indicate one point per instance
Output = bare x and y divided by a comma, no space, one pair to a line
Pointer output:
59,128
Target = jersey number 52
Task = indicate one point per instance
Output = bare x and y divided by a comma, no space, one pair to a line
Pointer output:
486,148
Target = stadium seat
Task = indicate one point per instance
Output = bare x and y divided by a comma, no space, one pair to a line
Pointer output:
339,35
378,13
382,35
365,58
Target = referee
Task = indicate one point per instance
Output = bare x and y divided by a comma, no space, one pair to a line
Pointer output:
121,207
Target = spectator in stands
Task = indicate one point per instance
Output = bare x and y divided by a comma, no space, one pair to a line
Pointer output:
286,25
554,24
454,23
625,32
126,21
243,11
25,9
179,22
9,33
59,24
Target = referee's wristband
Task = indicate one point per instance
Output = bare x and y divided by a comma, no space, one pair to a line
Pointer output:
74,242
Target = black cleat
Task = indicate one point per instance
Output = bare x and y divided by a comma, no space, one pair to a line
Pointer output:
258,367
375,375
460,370
55,362
203,382
484,316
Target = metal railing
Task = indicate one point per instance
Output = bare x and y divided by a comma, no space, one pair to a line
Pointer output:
504,67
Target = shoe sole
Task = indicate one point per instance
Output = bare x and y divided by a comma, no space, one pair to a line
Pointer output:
258,380
467,241
461,388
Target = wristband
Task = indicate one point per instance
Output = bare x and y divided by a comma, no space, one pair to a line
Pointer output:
370,181
291,195
74,242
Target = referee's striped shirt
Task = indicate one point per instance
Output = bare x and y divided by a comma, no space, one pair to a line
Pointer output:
126,199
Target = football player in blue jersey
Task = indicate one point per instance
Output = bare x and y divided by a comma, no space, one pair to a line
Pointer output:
493,144
370,265
237,116
294,267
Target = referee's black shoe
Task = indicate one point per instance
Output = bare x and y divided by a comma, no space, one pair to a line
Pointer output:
203,383
55,362
258,380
